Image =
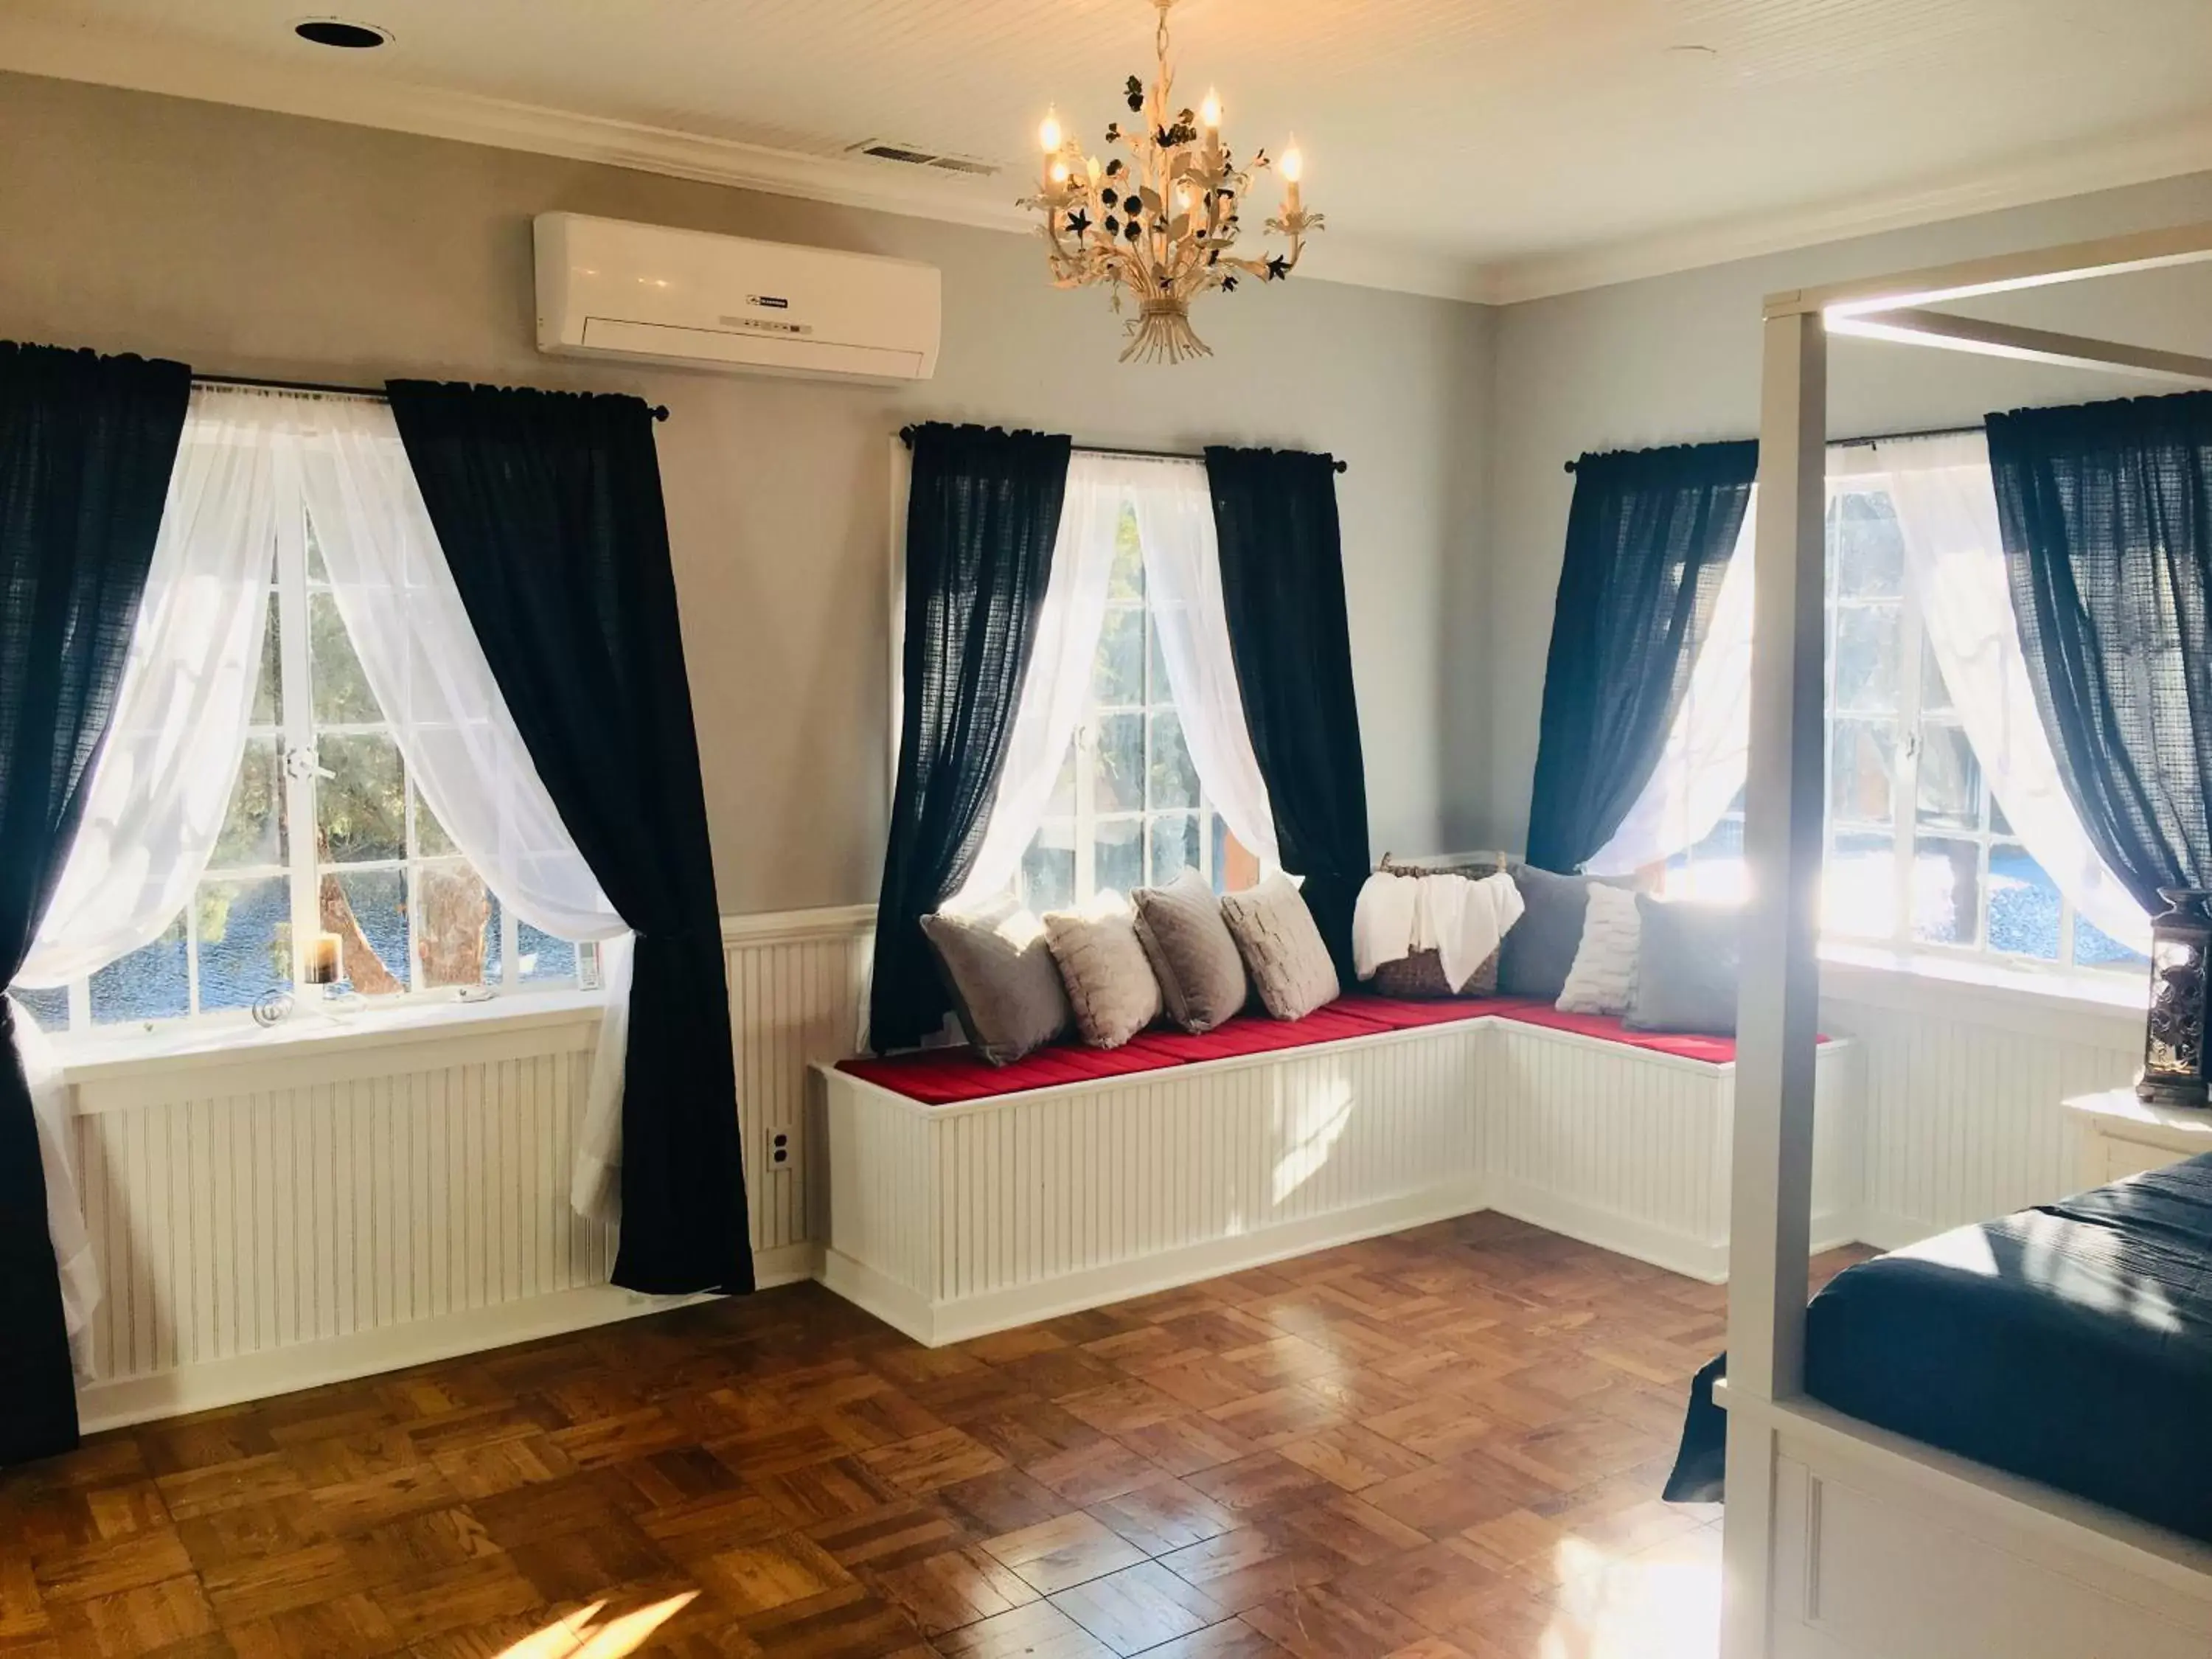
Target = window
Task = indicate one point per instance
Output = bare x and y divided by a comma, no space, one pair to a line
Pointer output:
1919,856
325,833
1128,811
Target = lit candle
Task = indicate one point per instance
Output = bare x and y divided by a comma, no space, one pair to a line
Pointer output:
322,959
1048,137
1209,114
1094,169
1293,165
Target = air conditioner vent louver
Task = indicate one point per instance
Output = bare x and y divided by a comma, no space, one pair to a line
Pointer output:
883,149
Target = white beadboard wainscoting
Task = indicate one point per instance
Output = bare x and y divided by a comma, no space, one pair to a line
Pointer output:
1963,1090
296,1211
1630,1150
292,1212
949,1222
952,1221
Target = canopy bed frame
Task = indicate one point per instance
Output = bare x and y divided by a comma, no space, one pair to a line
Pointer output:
1842,1541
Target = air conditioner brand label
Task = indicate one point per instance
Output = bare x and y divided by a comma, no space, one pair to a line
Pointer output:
771,302
765,325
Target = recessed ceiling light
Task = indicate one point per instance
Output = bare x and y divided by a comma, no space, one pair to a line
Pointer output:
335,31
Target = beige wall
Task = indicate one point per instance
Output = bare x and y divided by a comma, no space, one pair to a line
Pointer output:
253,244
1675,360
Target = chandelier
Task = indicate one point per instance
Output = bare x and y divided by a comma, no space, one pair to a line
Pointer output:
1158,225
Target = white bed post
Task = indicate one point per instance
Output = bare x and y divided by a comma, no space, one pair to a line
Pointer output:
1778,1016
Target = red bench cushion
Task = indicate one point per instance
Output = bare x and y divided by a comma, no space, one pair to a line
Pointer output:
951,1077
947,1077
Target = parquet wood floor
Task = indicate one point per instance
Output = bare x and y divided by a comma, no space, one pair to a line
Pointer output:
1444,1444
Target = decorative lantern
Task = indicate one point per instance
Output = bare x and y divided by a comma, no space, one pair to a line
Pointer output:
2173,1071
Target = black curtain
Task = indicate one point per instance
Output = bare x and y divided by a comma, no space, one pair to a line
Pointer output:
86,444
548,505
2106,514
1282,587
982,516
1648,538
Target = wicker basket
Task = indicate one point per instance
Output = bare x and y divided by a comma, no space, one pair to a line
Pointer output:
1420,977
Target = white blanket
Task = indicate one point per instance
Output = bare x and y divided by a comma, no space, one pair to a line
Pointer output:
1462,920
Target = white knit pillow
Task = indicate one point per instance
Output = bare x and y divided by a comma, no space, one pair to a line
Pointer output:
1603,979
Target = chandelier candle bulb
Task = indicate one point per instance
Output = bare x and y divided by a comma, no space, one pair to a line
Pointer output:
1157,226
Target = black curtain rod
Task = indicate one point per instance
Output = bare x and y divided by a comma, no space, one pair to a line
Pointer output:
1892,437
659,410
906,436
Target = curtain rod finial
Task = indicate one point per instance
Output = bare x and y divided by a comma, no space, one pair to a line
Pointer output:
660,411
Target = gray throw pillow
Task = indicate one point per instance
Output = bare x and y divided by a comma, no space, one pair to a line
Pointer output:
1109,983
1003,979
1193,954
1281,947
1688,962
1539,952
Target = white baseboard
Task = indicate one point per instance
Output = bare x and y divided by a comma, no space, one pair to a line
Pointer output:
1677,1252
394,1348
1662,1247
933,1325
1885,1230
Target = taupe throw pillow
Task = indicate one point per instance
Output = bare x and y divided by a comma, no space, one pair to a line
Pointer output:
1109,983
1193,954
1689,959
1281,947
1003,979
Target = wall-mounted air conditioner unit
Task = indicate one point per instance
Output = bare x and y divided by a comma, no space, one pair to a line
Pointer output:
608,289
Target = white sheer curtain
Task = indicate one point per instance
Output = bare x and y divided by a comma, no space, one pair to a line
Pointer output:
158,796
1955,566
420,656
1183,574
1703,766
1947,520
1182,582
1058,684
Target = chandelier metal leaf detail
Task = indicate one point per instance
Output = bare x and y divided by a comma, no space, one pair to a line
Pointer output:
1158,225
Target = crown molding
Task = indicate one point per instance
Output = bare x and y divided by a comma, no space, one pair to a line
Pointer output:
319,92
141,62
2134,159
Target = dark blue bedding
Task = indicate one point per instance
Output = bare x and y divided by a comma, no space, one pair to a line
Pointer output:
2071,1343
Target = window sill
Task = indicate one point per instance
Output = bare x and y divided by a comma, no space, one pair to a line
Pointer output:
2089,1006
313,1036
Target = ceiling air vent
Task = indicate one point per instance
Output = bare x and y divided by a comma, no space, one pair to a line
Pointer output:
882,150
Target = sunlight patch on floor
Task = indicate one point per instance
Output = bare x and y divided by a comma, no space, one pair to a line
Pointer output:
581,1637
1663,1602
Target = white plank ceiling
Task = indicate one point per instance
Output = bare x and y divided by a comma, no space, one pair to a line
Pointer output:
1497,148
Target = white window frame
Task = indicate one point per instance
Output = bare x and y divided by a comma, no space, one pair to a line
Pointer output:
297,736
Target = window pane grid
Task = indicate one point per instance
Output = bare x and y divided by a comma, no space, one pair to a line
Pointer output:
1919,854
1119,830
321,803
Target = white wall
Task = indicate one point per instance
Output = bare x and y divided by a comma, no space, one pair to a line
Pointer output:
1675,360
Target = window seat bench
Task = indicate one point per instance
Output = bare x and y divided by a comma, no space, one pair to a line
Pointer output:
965,1198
